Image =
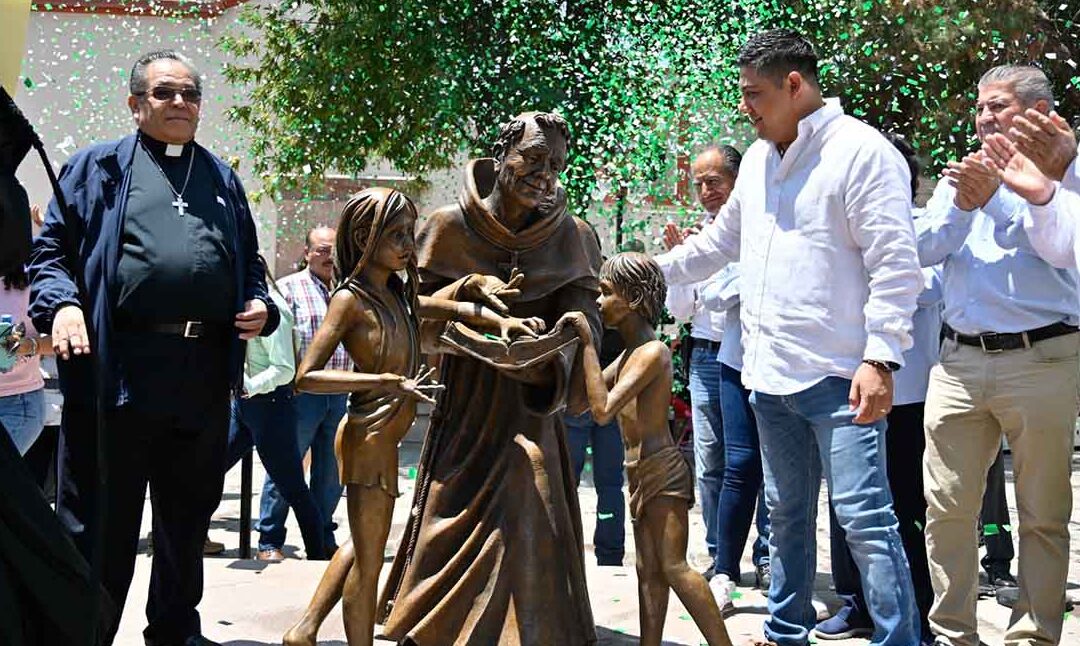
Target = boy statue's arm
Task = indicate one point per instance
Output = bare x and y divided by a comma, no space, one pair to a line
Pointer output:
638,373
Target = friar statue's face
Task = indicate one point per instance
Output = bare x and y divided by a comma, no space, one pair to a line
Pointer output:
529,171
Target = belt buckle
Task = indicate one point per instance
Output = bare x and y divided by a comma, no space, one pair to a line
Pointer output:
982,343
193,329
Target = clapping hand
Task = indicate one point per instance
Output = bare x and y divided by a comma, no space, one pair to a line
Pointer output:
975,180
674,236
1017,171
1047,140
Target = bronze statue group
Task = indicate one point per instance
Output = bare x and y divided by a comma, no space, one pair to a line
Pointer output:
509,291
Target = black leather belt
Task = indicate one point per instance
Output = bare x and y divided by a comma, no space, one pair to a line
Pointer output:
190,329
712,346
992,342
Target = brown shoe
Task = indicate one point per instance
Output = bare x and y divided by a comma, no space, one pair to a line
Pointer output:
270,556
212,547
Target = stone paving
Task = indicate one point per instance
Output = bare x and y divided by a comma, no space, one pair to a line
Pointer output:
250,603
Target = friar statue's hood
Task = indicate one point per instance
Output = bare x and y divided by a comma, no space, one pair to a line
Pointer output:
480,178
554,249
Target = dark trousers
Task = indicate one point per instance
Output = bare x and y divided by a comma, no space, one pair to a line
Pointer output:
742,479
994,519
183,467
904,445
268,422
582,432
41,458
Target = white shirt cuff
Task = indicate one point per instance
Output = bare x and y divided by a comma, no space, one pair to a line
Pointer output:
884,347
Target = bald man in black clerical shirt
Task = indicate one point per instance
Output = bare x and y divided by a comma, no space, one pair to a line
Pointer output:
159,254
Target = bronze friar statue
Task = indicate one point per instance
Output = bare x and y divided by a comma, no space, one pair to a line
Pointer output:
492,553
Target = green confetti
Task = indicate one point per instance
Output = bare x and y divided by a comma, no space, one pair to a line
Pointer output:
685,617
990,529
603,516
735,594
919,525
27,82
411,474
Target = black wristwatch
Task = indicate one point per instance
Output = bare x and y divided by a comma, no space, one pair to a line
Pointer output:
887,366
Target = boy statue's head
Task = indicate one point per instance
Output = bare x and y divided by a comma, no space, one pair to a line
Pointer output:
631,282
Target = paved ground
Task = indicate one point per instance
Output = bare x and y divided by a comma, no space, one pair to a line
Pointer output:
249,603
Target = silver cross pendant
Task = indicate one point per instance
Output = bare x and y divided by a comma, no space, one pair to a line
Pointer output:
180,205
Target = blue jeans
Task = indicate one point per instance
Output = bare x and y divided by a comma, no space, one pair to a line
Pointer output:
23,416
609,538
802,436
742,480
708,433
317,418
268,422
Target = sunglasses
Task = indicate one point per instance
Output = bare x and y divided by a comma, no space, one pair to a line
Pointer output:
161,93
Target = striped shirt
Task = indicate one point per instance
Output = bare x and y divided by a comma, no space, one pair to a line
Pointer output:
308,298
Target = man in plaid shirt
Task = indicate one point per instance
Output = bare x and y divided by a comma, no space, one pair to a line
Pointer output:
317,416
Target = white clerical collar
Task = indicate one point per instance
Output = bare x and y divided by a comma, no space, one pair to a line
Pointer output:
174,150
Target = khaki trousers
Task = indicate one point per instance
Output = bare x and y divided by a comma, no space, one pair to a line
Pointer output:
1031,396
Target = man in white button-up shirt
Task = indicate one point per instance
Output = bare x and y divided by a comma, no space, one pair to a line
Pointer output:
820,221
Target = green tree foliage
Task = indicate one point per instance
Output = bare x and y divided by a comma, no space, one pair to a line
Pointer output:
334,84
912,66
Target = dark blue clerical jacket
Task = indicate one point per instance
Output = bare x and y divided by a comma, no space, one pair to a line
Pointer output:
95,183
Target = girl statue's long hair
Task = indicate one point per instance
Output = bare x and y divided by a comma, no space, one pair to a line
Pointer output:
359,233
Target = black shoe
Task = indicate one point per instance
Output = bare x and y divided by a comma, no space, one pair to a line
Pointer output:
609,561
995,579
199,640
1008,596
709,572
763,576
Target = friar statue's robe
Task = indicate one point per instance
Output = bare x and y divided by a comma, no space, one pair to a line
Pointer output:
493,552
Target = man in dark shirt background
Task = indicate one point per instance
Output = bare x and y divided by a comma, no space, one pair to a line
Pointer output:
163,240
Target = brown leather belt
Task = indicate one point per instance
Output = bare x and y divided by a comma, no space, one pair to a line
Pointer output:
993,342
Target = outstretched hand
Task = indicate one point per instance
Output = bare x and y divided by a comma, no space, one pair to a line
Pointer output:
420,386
491,290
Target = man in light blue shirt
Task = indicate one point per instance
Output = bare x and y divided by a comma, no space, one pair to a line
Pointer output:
1008,366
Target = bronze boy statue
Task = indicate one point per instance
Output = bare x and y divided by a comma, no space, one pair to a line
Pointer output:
636,388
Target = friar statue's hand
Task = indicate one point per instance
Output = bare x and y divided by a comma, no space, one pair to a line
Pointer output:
491,290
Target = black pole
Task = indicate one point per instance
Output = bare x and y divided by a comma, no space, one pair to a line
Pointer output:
246,465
